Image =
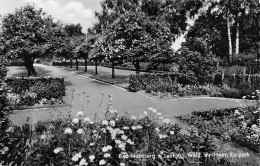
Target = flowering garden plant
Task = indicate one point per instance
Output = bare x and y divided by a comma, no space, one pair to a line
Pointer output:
113,140
240,125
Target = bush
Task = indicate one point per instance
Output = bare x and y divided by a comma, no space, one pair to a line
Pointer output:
48,91
240,125
112,141
31,90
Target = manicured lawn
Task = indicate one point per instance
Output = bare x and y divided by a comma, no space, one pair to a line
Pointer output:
20,71
105,74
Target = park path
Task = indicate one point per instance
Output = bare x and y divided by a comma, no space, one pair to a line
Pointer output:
125,101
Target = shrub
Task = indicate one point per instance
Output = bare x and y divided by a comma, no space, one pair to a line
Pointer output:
47,91
33,89
112,141
240,125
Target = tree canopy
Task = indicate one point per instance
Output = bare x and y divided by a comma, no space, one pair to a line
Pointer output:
29,33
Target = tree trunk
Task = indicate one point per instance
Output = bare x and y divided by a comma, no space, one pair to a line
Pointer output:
70,63
65,63
86,64
137,66
237,38
113,68
96,65
77,64
230,51
30,68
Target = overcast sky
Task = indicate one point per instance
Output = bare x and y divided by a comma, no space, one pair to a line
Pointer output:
68,11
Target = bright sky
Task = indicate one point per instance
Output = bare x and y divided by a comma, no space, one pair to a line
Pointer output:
68,11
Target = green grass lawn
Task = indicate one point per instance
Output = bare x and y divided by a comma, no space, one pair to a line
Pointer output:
20,71
103,75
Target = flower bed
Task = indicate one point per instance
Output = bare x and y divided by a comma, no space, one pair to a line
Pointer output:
114,140
182,85
240,125
31,90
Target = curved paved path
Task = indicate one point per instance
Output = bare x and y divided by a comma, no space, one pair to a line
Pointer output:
123,101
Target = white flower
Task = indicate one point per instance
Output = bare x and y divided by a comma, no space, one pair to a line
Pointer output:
145,113
83,162
68,131
43,136
57,150
125,128
159,113
130,142
139,127
87,119
122,146
103,130
113,111
243,97
104,122
237,112
80,113
171,132
154,110
122,164
161,118
124,137
91,158
92,144
113,123
76,157
75,120
80,131
157,129
91,122
134,117
117,141
241,117
104,149
167,121
162,136
106,155
109,147
133,127
253,126
102,162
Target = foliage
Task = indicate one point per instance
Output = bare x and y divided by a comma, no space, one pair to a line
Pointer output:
196,65
29,33
211,25
114,140
240,125
29,91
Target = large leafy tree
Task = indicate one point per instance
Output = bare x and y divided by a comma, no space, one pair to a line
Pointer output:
28,33
83,50
229,26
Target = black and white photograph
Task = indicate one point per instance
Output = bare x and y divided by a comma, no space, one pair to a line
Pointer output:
129,82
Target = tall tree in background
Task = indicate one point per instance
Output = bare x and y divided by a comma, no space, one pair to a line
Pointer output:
229,27
28,34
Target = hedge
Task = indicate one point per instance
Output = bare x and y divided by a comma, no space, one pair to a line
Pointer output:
44,87
141,81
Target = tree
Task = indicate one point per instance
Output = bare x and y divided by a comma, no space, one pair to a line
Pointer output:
85,47
222,26
28,34
73,30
